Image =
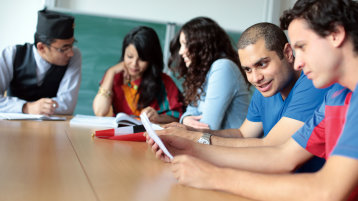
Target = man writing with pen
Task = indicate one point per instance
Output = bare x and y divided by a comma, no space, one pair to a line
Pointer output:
44,77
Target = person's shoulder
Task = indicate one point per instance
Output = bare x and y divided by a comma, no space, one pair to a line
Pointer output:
118,78
223,62
76,52
337,93
10,49
165,76
224,66
166,79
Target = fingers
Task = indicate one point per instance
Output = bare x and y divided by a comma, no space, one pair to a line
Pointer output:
48,106
151,113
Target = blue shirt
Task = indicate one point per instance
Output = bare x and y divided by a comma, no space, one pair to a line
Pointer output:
225,99
300,104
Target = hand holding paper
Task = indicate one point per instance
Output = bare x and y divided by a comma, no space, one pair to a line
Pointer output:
153,135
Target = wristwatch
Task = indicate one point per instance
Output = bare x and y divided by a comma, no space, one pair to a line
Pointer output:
205,138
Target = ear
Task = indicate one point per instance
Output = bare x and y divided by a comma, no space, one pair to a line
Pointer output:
288,53
41,46
338,36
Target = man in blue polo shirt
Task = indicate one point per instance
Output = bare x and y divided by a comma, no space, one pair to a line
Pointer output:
283,100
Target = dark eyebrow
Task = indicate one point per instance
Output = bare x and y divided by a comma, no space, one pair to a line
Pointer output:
260,61
257,62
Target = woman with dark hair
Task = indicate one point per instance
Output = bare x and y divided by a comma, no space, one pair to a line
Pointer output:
136,84
215,87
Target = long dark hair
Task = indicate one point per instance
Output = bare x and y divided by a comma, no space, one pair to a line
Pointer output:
206,42
147,44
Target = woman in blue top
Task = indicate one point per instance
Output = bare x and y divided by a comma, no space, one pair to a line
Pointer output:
215,87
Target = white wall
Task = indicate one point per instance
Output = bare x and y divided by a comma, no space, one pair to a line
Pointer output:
18,21
231,14
18,17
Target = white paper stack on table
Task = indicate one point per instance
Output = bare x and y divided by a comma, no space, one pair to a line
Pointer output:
22,116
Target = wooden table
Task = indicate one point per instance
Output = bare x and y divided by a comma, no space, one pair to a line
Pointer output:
52,160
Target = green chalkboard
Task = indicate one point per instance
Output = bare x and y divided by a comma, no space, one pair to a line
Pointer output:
100,41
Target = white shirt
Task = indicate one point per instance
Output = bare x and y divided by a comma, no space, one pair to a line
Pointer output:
67,93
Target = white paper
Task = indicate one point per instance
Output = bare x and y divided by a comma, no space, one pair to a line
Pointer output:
93,121
22,116
153,135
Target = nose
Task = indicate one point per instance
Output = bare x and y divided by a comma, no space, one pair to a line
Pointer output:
136,62
181,50
298,64
256,76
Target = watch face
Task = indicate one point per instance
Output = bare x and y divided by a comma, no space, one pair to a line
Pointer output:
203,141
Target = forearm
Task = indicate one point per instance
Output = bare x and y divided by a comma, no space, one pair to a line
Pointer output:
67,94
103,101
227,133
163,119
102,105
238,142
11,104
258,159
67,97
269,187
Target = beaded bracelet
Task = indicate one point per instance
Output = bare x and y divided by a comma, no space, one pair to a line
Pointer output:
104,92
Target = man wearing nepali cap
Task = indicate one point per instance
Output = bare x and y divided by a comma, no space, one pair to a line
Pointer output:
44,77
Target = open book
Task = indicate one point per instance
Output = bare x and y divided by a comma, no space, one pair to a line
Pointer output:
22,116
121,119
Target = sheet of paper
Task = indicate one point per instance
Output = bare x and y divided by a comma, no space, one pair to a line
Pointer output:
153,135
22,116
93,121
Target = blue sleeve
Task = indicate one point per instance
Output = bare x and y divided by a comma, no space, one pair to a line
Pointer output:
347,144
255,108
222,83
189,111
314,124
305,100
